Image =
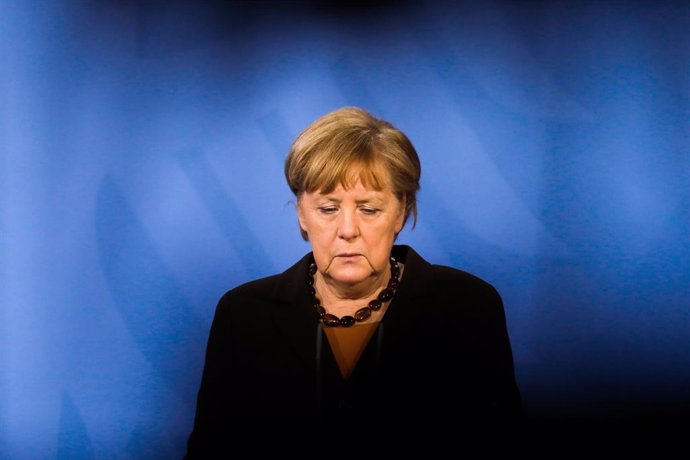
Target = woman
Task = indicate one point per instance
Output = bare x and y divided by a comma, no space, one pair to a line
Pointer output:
360,333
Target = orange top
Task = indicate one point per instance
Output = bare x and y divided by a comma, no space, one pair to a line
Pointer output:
348,344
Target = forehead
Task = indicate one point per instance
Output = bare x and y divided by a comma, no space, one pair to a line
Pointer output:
372,175
358,189
357,192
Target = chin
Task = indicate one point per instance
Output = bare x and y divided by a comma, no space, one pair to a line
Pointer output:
350,276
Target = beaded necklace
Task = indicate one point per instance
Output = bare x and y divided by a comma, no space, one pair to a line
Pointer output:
363,313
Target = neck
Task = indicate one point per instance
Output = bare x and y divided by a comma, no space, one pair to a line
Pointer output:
340,296
353,314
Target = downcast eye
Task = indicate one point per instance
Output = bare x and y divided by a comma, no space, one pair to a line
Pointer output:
328,209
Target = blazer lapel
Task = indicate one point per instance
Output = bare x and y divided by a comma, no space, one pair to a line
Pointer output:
416,292
297,321
293,315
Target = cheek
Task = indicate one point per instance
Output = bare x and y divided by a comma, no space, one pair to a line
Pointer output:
319,232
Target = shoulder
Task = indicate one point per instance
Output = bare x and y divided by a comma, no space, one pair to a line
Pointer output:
443,279
467,293
245,301
453,279
453,288
255,289
282,287
467,287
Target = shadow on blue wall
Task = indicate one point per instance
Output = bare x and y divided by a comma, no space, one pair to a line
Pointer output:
142,177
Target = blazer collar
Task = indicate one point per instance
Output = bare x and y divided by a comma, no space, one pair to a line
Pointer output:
294,314
296,318
414,296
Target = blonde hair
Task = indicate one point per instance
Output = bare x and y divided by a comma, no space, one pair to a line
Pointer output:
350,144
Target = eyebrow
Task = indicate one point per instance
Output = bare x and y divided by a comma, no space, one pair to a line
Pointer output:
361,201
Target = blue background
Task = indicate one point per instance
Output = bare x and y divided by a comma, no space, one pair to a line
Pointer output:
142,146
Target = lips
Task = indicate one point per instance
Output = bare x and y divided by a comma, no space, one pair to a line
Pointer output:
348,256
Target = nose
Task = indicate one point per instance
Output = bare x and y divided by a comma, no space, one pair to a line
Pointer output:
348,227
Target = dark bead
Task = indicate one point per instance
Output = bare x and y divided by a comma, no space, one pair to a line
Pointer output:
375,304
312,269
320,310
347,321
393,283
312,291
331,320
363,313
310,280
386,295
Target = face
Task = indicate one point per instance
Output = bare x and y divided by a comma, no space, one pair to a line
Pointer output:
351,231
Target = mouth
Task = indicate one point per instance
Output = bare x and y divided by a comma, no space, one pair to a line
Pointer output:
348,255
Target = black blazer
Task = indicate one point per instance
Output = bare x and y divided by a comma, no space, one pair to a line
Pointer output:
440,353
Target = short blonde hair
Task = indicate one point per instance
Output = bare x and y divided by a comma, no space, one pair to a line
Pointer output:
350,144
